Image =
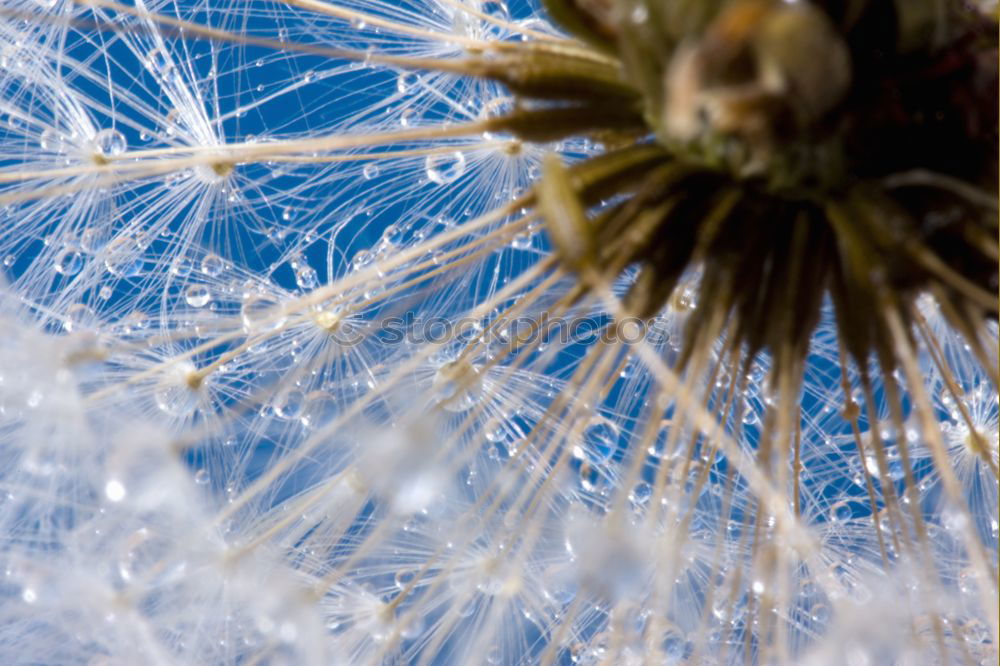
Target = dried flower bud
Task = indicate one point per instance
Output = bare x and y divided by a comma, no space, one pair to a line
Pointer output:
761,70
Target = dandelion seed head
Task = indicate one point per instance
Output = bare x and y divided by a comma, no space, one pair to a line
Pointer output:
429,332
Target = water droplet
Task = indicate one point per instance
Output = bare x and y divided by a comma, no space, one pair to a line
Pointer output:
404,577
121,258
592,477
52,141
197,295
159,62
445,169
600,440
393,235
684,298
522,241
820,613
497,451
92,239
109,143
69,262
840,511
261,312
457,385
658,449
305,277
114,490
374,290
212,265
370,171
406,80
896,471
674,646
181,267
640,493
317,407
289,404
361,259
494,431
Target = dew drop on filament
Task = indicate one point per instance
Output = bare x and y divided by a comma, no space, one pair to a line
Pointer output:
522,241
261,312
445,169
405,81
121,259
457,385
69,262
109,143
600,440
53,141
306,278
159,62
197,295
212,265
